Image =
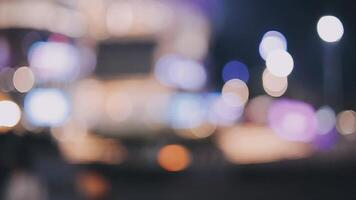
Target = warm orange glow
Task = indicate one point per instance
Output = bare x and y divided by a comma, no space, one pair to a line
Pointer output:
79,146
92,185
252,143
173,158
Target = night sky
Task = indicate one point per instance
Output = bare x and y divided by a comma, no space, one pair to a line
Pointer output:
241,25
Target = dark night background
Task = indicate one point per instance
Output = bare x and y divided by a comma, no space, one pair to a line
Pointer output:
242,27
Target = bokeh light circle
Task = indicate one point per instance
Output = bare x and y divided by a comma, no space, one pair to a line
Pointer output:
223,114
274,86
54,61
326,119
346,122
272,40
330,28
23,79
173,158
47,107
10,113
175,71
293,120
188,75
235,93
280,63
235,70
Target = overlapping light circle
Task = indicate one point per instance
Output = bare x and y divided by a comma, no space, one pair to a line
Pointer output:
176,71
280,63
272,40
274,86
223,114
235,93
293,120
